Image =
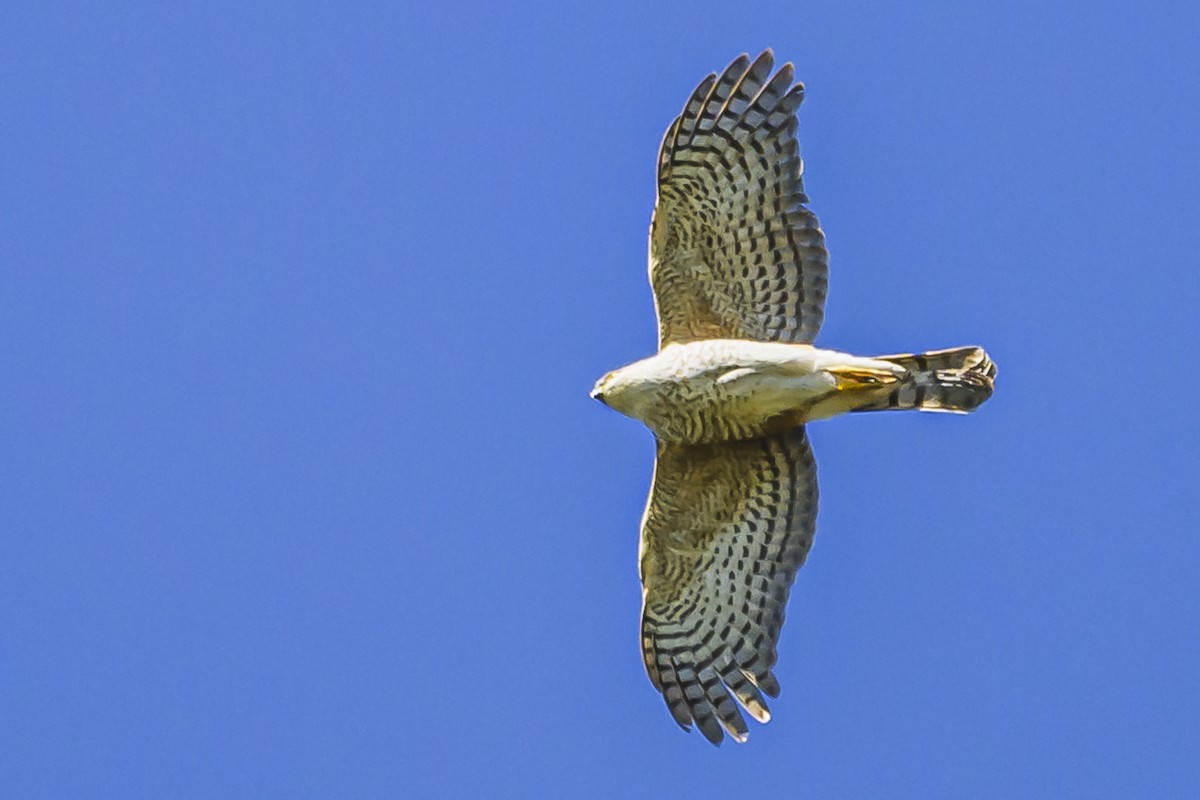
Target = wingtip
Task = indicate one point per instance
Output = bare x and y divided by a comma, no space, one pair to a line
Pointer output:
766,57
739,64
768,685
757,710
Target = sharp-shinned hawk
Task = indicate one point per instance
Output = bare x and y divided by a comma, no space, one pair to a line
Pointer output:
738,266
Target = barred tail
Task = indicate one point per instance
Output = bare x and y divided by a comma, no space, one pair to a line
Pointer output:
955,381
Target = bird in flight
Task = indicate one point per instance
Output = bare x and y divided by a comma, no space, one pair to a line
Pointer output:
738,266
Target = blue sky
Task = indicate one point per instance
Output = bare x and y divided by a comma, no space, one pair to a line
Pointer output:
303,492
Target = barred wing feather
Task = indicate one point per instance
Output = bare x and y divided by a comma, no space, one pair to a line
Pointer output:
726,528
734,251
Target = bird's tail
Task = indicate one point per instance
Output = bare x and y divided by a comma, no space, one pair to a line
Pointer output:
955,381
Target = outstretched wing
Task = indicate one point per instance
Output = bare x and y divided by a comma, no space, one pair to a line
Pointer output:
734,252
726,528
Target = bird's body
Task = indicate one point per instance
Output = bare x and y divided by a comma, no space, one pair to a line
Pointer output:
738,266
716,390
727,389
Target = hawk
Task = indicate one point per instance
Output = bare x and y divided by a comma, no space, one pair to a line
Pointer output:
738,266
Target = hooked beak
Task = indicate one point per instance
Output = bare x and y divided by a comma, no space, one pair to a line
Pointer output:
597,392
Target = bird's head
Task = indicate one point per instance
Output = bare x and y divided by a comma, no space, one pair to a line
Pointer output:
602,387
619,390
